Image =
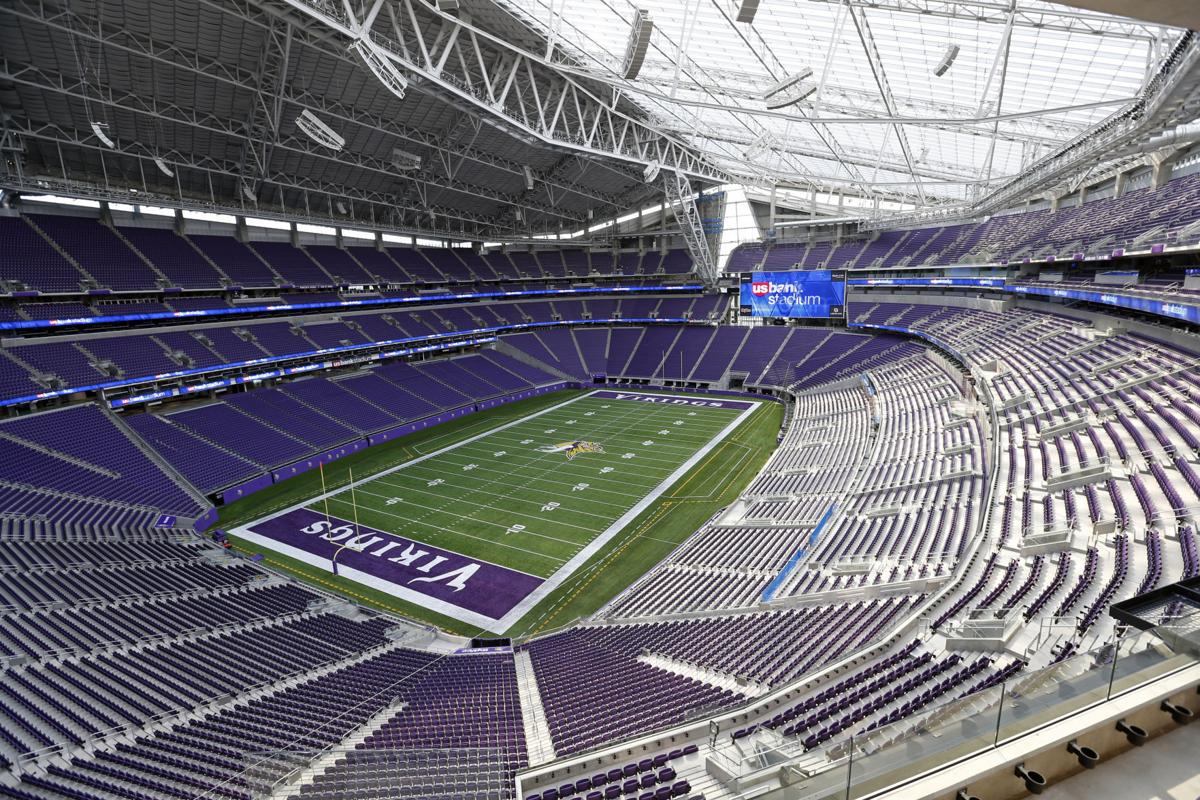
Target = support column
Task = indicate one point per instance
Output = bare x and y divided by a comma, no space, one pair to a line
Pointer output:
1119,188
679,193
1161,170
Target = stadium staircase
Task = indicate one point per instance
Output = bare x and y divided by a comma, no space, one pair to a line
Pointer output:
163,280
167,467
711,677
520,355
87,278
293,786
538,742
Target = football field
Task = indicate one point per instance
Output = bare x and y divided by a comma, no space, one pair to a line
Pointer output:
483,529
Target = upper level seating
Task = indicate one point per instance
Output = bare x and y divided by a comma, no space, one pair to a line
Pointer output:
32,262
133,258
99,251
173,256
292,264
1143,217
237,261
69,361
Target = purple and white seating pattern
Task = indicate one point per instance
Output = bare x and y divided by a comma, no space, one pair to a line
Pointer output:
1142,217
1134,393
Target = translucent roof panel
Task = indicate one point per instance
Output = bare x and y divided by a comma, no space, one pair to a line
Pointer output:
1028,76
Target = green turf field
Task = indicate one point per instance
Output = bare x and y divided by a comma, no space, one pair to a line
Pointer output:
512,496
514,489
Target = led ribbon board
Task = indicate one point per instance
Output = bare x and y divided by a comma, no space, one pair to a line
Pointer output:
809,294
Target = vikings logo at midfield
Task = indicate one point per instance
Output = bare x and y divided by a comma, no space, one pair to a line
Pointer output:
572,449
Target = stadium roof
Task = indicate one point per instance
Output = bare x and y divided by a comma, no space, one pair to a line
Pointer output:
1028,76
197,104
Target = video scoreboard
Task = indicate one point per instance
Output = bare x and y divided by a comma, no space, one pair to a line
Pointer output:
807,294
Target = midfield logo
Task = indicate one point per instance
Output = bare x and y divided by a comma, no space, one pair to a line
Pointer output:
572,449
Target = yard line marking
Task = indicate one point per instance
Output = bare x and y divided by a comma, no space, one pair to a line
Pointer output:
513,498
497,542
442,510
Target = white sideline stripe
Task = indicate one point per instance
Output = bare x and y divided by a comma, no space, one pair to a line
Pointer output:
551,583
580,558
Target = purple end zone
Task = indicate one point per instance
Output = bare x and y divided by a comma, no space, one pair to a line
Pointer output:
453,578
697,402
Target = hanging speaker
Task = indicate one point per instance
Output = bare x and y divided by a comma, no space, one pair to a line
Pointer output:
747,11
101,131
947,60
639,43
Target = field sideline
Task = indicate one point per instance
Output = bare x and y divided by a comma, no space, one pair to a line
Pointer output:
515,519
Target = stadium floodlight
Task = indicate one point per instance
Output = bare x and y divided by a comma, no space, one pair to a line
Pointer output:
163,168
639,43
404,160
318,131
747,11
101,131
796,92
528,179
650,173
947,59
383,68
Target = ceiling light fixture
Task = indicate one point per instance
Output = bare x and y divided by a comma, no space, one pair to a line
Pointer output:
382,66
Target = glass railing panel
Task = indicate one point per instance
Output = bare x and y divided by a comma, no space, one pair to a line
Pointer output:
908,748
1143,656
1033,699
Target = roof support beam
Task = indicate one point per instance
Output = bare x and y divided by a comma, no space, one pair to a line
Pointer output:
597,128
135,103
262,126
682,198
1041,17
859,18
227,76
